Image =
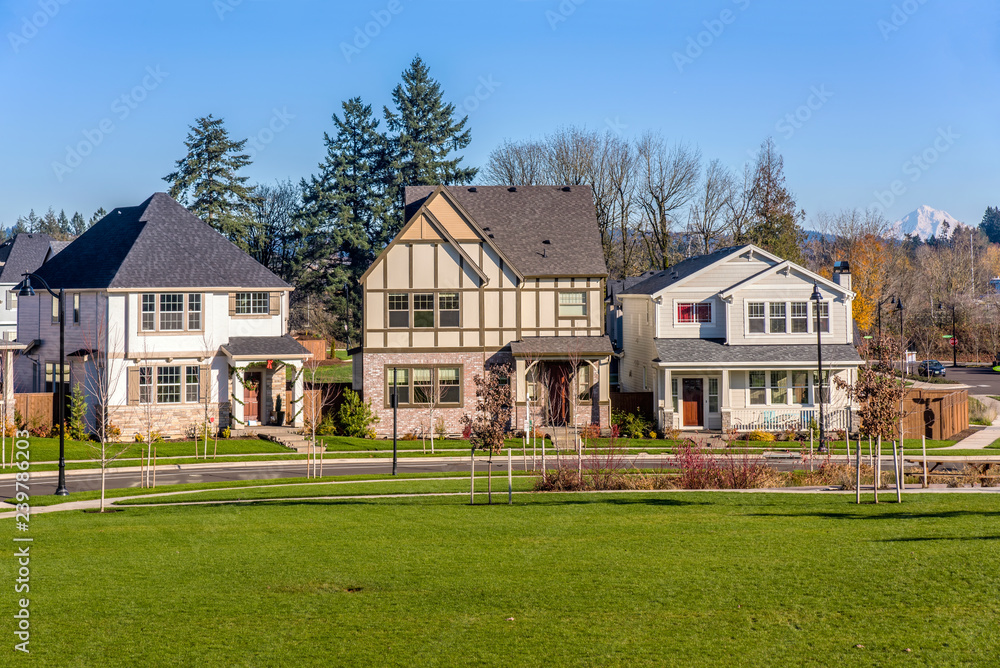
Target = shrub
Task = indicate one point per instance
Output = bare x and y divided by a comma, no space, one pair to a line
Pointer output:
560,479
590,432
355,417
327,426
410,436
18,419
76,426
631,425
760,436
653,435
38,428
112,433
439,428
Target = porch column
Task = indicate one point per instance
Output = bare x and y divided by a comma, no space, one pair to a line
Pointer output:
725,401
297,393
8,385
235,404
666,402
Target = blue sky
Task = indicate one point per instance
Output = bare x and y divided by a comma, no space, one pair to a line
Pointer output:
891,102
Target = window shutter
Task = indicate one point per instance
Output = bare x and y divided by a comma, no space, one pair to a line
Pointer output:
232,303
203,373
275,303
133,385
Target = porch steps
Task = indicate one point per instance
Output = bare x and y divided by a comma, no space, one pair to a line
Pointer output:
286,436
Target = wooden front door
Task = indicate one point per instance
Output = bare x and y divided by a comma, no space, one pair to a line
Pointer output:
694,415
560,379
251,395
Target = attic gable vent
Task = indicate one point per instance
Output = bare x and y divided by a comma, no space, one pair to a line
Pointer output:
512,189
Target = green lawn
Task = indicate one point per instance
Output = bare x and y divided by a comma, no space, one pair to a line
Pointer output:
47,449
676,579
330,373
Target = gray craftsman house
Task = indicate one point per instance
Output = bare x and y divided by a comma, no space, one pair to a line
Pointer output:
728,341
165,320
26,251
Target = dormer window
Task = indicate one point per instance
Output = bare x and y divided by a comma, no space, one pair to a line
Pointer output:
694,313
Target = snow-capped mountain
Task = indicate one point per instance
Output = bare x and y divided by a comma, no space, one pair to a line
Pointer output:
926,222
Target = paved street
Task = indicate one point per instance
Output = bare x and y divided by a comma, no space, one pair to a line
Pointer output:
981,380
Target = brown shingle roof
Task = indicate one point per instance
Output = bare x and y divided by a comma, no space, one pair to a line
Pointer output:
562,345
519,220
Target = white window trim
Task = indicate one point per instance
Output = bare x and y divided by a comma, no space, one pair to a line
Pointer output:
789,389
811,324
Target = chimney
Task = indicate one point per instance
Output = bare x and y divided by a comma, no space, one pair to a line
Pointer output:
842,274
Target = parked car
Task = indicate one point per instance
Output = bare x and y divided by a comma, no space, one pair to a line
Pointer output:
930,368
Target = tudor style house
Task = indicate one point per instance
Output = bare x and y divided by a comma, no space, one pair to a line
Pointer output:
163,316
481,275
728,341
26,251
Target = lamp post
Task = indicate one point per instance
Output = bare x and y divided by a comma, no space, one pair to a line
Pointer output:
818,299
25,290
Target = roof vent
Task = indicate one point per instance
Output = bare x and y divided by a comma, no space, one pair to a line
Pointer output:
547,242
490,236
472,189
565,189
512,189
673,275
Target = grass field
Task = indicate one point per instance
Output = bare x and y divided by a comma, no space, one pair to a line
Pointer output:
605,579
47,449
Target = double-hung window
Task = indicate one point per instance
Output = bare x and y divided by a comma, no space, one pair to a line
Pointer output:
171,312
76,309
779,387
192,389
824,316
572,304
800,387
168,385
448,311
253,303
825,387
449,388
756,322
399,309
398,379
758,388
800,317
52,376
423,386
148,313
194,311
145,384
583,381
713,395
423,310
777,320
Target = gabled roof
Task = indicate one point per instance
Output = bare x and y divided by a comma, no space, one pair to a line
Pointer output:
588,346
261,347
790,266
157,244
618,285
26,253
517,220
683,270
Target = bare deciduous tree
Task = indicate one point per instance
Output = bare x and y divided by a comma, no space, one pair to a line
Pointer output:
708,210
668,180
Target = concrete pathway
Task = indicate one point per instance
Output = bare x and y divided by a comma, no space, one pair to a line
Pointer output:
984,437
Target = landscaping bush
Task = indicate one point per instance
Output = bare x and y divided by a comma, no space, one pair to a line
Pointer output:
76,426
355,417
631,425
760,436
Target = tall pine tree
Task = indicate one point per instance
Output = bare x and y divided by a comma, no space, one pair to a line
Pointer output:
426,135
342,223
991,224
775,226
207,179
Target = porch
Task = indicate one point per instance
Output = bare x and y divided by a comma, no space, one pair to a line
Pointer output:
265,381
561,381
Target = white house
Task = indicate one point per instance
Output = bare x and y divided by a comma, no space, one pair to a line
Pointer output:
26,251
728,341
172,316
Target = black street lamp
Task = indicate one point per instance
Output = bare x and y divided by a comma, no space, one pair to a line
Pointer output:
818,299
25,290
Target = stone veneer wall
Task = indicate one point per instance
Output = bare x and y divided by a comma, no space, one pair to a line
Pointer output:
173,422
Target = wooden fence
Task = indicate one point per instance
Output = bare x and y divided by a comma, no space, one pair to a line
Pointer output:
936,414
36,407
325,396
630,402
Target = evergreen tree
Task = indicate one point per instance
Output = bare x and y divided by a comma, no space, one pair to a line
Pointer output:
64,228
49,224
77,225
775,225
991,224
207,179
342,224
100,213
426,135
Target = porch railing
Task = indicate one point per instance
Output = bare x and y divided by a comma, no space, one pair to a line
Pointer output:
782,419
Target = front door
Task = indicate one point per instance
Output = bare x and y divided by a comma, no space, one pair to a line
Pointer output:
251,396
560,379
693,411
